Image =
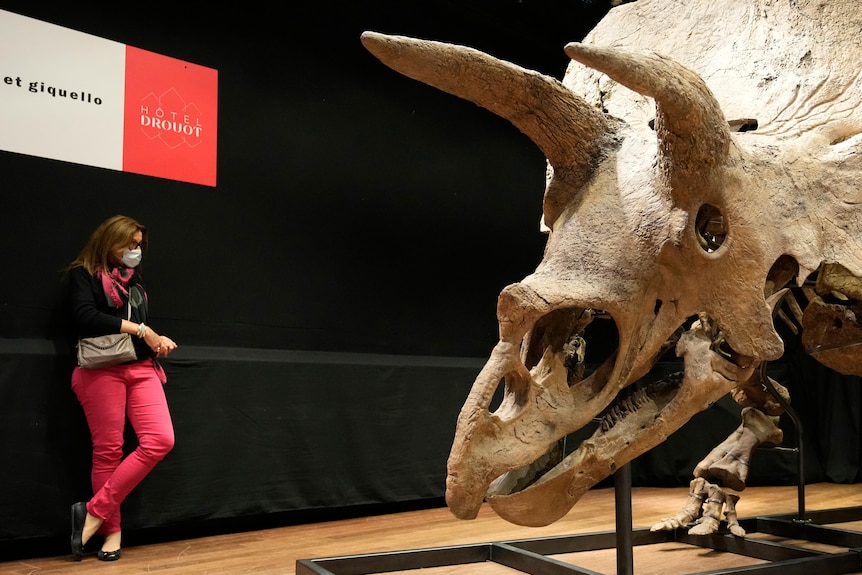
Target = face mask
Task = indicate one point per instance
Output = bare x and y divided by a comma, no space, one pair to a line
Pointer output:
131,258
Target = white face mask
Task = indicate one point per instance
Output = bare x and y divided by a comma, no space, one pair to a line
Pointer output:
131,258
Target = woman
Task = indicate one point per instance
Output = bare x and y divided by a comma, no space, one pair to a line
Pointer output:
105,285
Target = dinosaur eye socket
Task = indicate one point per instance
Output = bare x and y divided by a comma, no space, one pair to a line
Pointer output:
711,228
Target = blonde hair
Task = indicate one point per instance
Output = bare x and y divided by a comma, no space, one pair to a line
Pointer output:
112,234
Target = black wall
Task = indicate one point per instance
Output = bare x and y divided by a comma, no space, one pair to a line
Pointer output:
355,210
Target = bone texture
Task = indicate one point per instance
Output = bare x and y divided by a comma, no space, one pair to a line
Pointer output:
728,463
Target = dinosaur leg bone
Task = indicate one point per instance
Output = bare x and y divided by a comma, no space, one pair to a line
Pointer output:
690,511
712,507
727,464
730,514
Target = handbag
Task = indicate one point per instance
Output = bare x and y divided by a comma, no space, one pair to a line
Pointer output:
106,350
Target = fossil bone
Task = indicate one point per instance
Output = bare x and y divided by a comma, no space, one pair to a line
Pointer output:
703,509
730,515
690,511
711,515
666,213
728,463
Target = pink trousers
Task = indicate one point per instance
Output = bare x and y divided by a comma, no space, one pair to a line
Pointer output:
107,396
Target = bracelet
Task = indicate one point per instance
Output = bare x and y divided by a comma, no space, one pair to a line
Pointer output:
142,329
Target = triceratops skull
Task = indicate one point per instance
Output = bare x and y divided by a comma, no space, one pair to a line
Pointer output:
678,229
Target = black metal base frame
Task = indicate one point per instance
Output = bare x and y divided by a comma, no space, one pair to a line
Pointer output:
532,556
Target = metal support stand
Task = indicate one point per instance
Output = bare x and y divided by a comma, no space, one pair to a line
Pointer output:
797,424
532,556
528,556
623,509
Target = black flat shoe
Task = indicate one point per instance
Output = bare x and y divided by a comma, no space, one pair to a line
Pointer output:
109,555
79,515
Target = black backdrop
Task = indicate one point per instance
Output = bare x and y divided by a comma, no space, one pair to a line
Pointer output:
355,209
333,295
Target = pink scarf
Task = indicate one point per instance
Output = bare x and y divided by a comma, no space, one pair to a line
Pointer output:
116,285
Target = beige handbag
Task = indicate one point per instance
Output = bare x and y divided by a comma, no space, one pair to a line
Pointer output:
106,350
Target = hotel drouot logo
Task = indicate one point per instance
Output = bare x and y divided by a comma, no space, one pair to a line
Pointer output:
170,118
78,98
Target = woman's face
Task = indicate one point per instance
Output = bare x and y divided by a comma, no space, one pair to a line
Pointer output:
116,257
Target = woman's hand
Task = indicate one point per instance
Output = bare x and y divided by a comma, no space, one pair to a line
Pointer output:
166,345
161,345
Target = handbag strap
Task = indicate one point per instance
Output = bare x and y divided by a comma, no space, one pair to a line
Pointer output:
129,304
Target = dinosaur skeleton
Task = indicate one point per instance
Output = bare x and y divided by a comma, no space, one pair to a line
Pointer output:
704,161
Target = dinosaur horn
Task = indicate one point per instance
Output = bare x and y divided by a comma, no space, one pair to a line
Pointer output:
693,134
568,130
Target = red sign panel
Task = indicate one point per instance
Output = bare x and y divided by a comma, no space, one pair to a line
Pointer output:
170,125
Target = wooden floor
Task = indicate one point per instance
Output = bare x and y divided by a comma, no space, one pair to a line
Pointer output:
275,551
